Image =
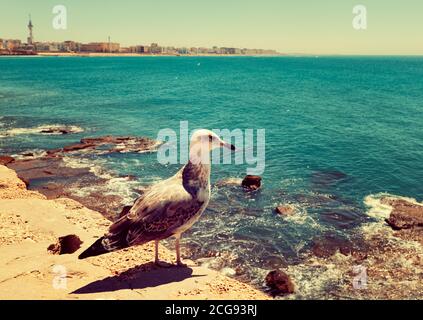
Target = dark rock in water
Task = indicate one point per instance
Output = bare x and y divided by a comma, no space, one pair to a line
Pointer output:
327,177
65,245
78,146
328,244
4,160
56,130
279,283
341,218
28,154
112,145
313,200
285,210
54,151
251,182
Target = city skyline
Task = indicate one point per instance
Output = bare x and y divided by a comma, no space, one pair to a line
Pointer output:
324,27
33,47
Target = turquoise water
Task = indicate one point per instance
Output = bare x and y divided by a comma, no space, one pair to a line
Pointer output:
337,129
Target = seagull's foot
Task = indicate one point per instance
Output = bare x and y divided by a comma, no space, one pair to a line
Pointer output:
180,264
163,264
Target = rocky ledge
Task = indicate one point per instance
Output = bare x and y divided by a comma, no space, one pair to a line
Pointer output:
50,174
37,240
406,218
109,144
382,259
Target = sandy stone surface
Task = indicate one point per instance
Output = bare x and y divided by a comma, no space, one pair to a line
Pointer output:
29,223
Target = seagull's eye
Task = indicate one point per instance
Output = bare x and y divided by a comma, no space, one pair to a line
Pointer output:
210,138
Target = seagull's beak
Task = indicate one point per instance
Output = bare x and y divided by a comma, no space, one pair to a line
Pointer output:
228,146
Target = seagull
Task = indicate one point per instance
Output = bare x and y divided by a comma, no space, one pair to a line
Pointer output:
168,208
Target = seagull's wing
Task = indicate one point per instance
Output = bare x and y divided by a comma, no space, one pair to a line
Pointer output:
156,215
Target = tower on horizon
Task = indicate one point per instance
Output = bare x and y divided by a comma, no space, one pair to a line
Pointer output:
30,27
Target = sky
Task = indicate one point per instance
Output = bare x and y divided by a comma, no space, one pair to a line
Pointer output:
289,26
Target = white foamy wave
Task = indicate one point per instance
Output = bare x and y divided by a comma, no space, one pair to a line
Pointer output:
30,154
123,187
94,166
53,129
120,186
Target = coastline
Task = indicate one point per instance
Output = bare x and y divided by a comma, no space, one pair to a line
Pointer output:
389,246
101,54
31,223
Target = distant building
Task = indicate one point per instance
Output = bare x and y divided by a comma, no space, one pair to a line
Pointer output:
183,50
169,50
12,44
139,49
101,47
70,46
47,46
125,50
203,50
30,28
155,49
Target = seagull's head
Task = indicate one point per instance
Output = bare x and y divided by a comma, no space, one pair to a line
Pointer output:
203,141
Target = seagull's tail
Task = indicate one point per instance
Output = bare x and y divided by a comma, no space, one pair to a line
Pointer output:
114,240
96,249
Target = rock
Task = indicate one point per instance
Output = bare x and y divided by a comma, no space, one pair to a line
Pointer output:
52,130
60,130
341,218
328,244
327,177
78,146
285,210
279,283
114,144
406,218
54,151
4,160
65,245
251,182
405,215
28,154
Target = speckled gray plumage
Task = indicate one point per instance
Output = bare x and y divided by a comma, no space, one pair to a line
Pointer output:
167,208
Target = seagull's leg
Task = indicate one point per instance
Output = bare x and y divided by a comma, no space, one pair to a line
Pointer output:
157,262
179,263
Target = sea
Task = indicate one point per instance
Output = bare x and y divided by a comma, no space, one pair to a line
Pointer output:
337,130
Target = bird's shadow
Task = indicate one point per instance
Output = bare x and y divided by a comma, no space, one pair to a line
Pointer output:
140,277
